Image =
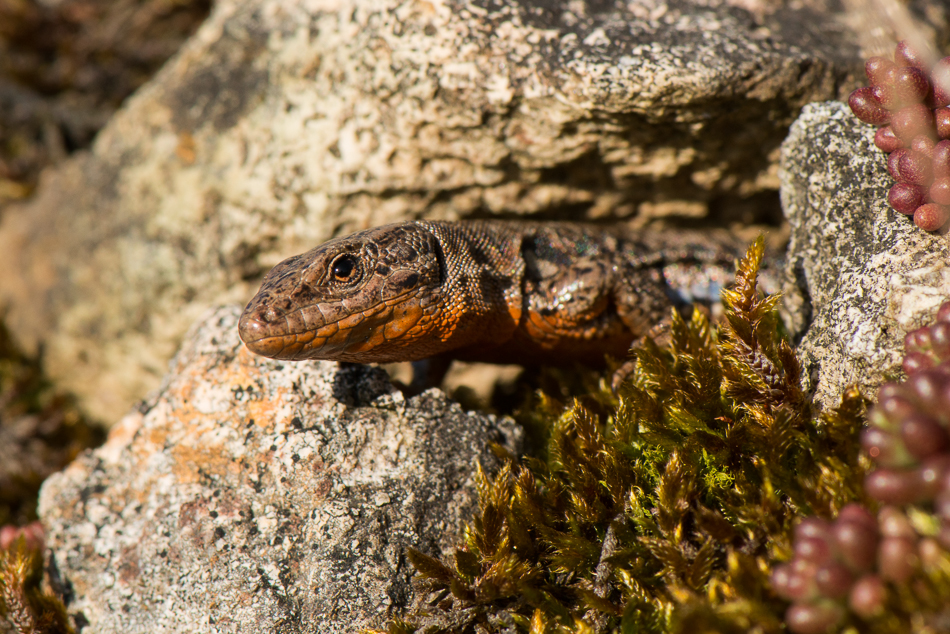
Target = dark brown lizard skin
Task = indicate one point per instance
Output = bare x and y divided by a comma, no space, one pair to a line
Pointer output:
494,291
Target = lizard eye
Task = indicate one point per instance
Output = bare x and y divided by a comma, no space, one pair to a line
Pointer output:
345,268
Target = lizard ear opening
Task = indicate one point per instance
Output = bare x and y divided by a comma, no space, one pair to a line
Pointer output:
530,244
439,256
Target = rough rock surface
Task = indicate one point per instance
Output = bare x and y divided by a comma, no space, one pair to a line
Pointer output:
281,123
249,495
862,274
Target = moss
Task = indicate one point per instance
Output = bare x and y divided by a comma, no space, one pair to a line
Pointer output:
24,608
660,511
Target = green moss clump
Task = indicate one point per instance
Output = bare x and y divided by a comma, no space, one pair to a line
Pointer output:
665,514
24,607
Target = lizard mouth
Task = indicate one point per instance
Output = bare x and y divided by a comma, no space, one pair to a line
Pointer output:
308,334
257,335
372,334
270,334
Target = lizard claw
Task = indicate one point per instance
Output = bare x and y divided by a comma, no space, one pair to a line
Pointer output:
659,333
621,374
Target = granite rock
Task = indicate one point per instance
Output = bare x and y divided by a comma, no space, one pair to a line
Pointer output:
248,495
860,275
282,123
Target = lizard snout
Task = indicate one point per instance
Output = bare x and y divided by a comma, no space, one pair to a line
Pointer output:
267,332
277,333
257,335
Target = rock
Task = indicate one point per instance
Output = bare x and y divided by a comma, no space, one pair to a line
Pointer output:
860,274
249,495
280,124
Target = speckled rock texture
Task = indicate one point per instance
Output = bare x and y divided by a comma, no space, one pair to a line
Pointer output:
282,123
249,495
861,274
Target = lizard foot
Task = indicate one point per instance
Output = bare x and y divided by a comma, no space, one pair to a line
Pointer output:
660,334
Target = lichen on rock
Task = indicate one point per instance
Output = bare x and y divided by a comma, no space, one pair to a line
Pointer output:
249,495
860,275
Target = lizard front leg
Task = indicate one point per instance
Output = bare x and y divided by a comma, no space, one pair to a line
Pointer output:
644,303
572,303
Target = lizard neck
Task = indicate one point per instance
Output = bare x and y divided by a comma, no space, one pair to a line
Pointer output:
482,280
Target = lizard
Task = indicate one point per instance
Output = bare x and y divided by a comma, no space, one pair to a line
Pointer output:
492,291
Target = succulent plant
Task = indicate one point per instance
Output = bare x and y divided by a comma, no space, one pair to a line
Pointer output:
889,571
909,100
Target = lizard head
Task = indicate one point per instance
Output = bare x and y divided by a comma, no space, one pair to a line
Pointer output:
361,298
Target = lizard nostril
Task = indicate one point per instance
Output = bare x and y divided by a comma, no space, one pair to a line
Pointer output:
258,336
